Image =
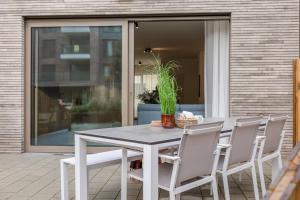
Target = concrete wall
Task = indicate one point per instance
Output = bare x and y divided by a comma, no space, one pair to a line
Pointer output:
264,40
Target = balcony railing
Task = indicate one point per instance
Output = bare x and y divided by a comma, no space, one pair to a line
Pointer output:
76,49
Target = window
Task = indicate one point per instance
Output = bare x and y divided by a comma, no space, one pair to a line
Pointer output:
74,86
49,48
80,72
47,72
111,48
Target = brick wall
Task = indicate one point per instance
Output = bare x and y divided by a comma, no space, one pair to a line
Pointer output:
264,40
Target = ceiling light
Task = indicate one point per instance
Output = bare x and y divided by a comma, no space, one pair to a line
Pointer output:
136,25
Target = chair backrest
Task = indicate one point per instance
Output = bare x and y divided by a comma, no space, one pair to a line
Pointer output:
203,125
243,138
273,130
196,150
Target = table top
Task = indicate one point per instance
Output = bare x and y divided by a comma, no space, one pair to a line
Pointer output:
146,134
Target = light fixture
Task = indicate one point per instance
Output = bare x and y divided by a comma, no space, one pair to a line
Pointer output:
148,50
136,25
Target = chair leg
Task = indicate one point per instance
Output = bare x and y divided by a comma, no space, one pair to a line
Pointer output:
276,166
214,184
226,187
64,181
211,188
172,196
254,179
88,178
279,160
261,177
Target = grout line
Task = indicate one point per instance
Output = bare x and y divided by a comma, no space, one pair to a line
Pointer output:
258,181
106,181
270,165
238,185
219,186
137,197
52,171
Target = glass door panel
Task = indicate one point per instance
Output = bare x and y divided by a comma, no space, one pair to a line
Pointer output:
76,81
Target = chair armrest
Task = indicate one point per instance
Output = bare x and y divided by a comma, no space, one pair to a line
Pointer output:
225,135
259,140
260,137
169,150
168,157
221,146
224,146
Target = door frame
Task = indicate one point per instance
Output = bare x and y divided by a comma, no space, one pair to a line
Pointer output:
29,24
131,44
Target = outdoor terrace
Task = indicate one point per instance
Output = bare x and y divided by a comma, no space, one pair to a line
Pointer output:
36,177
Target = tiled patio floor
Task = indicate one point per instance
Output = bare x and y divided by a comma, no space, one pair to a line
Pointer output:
36,177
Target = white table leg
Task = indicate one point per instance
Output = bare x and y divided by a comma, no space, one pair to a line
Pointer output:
150,173
124,172
64,181
80,169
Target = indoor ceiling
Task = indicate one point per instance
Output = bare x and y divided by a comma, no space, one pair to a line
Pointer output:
169,39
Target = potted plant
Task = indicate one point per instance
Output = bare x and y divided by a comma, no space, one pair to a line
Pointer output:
167,91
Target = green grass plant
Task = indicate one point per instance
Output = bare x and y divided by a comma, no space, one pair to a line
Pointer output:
167,86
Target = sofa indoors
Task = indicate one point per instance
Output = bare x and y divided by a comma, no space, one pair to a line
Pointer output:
148,112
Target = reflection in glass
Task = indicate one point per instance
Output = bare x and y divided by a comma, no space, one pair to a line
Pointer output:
76,82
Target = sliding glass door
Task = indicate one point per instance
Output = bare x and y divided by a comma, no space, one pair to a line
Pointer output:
76,80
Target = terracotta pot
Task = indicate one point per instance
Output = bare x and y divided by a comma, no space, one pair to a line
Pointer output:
168,121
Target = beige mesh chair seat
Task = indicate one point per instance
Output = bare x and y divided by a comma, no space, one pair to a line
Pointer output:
240,152
195,164
164,178
270,143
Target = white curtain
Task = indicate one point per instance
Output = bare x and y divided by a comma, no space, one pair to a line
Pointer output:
217,68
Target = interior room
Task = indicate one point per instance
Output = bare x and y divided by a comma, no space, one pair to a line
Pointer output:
179,41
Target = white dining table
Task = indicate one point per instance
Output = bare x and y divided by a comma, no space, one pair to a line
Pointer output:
145,138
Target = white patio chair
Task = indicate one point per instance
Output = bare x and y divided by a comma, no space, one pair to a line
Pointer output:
240,152
174,149
93,161
194,165
270,146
